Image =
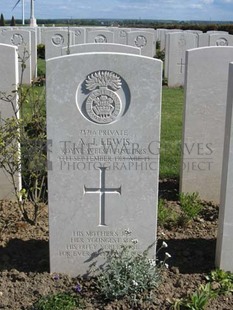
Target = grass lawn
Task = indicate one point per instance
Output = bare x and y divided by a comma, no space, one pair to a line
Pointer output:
171,131
41,67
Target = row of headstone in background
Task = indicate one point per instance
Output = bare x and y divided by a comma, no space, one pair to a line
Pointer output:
176,45
57,39
8,82
203,39
104,47
25,39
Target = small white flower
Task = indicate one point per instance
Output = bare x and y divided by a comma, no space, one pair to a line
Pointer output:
135,283
163,234
164,244
127,231
134,241
167,255
166,265
152,262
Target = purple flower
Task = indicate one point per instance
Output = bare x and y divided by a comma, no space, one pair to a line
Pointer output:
78,288
56,277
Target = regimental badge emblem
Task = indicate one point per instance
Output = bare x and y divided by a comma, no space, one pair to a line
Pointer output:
103,105
100,39
58,40
77,33
17,39
222,42
140,41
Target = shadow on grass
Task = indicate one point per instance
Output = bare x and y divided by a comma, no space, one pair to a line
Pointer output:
25,256
190,255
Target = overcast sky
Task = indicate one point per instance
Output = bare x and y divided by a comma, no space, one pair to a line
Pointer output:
132,9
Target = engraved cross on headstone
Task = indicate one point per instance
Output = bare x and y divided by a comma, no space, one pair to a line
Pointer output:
181,64
102,190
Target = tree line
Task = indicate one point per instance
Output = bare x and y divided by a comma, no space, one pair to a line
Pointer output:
12,22
140,23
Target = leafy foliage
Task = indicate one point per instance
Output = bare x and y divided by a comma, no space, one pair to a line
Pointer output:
128,273
221,281
166,216
190,205
23,145
199,299
64,301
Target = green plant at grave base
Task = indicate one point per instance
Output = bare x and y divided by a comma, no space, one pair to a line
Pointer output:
197,300
60,301
26,128
130,274
190,205
221,281
166,216
160,54
163,213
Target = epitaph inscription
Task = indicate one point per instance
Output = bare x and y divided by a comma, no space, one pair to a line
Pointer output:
85,243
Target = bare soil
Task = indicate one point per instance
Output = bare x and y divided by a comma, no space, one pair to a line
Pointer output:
24,261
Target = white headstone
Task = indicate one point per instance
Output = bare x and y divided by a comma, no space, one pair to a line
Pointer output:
104,47
179,42
144,40
203,39
55,40
99,36
33,51
104,123
22,40
121,35
167,50
194,31
80,35
216,32
8,82
162,36
224,248
204,120
220,40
